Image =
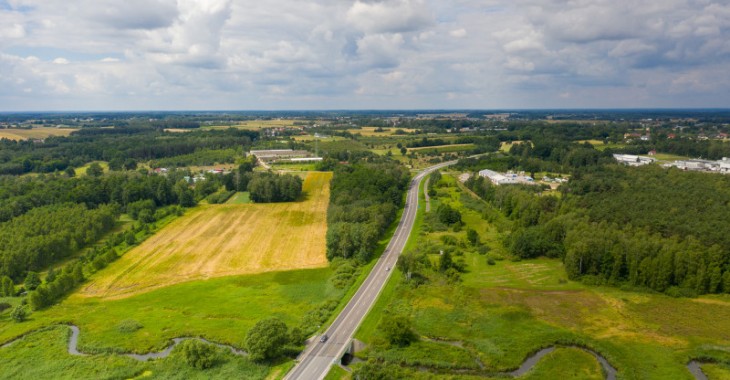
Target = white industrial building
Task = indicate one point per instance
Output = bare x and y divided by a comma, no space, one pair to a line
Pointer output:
505,179
632,160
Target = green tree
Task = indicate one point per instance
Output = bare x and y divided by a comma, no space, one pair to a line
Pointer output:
94,170
397,330
32,281
39,298
445,262
19,314
448,215
266,339
403,151
472,236
7,288
198,354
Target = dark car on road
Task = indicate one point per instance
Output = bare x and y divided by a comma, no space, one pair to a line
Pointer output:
323,338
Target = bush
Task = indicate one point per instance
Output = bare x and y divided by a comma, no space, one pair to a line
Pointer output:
4,306
198,354
128,326
483,249
19,314
678,292
490,261
397,330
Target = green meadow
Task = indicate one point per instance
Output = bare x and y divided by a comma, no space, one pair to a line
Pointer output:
221,310
498,314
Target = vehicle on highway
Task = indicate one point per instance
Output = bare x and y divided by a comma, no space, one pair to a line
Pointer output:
323,338
387,268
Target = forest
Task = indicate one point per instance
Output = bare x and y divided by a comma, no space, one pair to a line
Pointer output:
646,227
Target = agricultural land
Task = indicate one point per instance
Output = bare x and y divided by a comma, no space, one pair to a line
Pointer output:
223,240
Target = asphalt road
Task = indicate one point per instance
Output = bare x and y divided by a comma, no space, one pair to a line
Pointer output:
317,358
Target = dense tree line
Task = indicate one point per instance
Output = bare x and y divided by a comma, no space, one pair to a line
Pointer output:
269,187
364,199
18,195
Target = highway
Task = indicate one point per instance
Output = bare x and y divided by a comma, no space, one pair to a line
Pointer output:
317,358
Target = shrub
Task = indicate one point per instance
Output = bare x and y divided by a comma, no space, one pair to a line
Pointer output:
397,330
128,326
198,354
19,314
4,306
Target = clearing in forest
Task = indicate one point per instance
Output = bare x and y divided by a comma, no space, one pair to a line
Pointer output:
222,240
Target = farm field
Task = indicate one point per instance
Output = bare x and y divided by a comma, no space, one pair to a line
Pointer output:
499,314
34,133
223,240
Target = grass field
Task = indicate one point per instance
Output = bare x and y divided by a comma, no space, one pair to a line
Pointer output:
34,133
242,197
668,157
223,240
371,131
444,148
256,124
501,313
221,310
82,170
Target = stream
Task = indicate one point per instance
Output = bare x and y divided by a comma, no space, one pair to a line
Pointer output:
532,360
74,340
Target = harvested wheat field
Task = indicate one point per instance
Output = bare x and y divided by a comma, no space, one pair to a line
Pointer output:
35,133
222,240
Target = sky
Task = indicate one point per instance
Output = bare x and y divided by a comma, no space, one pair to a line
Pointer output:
90,55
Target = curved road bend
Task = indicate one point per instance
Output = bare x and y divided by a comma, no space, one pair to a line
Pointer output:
316,360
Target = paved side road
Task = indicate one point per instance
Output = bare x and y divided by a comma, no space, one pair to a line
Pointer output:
317,358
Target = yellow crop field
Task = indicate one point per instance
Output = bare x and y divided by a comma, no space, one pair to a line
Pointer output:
221,240
35,133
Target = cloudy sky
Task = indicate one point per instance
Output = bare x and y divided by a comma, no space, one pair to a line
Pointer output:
363,54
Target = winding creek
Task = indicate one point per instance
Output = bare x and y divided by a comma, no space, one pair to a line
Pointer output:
610,372
74,340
